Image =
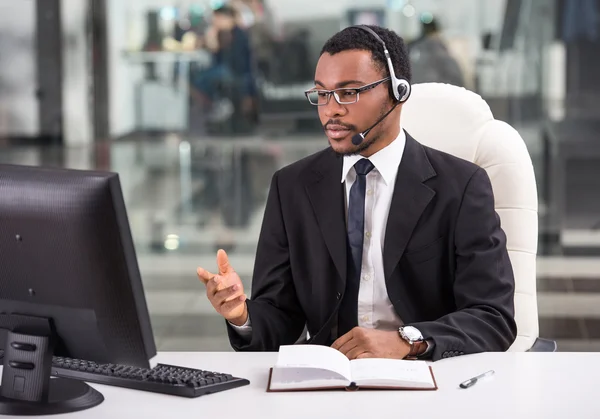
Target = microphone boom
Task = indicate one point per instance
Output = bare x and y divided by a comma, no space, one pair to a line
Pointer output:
357,139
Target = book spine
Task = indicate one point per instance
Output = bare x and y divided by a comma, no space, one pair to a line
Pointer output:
352,386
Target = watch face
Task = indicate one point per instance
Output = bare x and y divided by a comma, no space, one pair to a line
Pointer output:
412,333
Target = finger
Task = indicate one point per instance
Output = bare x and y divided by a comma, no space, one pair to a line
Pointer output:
364,355
349,346
215,285
204,275
356,352
342,340
223,262
227,294
219,283
232,305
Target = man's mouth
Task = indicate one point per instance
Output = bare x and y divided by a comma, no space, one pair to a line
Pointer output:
336,131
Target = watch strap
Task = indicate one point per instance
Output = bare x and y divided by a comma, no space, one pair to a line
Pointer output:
417,348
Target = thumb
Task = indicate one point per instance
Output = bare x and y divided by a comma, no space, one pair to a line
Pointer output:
223,262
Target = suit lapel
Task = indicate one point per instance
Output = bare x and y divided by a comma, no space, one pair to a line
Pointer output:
326,194
409,200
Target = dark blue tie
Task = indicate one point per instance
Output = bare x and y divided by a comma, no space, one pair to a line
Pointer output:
348,314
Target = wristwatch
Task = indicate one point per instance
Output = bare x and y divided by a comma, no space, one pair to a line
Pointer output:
413,336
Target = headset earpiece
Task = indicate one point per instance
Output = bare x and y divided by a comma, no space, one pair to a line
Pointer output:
403,90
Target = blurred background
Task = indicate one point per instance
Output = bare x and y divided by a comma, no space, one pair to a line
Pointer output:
196,103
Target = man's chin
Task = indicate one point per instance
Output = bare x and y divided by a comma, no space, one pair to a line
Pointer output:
342,147
345,147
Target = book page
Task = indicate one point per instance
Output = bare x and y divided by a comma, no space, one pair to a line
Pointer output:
314,357
305,378
392,373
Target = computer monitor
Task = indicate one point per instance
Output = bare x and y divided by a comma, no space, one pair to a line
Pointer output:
69,285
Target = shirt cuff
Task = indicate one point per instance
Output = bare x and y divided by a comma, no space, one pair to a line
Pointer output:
428,351
244,330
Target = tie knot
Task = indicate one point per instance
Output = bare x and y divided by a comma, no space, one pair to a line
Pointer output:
363,167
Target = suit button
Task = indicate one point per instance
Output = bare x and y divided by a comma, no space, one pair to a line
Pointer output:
338,295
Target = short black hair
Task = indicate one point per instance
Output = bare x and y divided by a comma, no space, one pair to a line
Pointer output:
353,38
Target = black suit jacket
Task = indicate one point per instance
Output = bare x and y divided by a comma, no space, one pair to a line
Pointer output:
446,264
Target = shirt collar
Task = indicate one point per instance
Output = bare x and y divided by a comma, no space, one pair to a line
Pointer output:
386,160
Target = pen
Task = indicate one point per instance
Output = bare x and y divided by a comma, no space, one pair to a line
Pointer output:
471,381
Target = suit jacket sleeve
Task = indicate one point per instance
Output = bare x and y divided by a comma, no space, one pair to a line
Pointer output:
483,281
276,316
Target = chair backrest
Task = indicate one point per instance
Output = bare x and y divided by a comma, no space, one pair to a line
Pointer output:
459,122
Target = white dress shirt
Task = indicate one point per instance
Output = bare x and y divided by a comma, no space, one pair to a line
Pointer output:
375,310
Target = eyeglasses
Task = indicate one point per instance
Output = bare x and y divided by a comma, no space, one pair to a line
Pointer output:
343,96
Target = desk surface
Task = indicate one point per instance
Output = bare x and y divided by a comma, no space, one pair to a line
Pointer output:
526,385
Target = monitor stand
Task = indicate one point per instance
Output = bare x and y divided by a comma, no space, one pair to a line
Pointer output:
27,387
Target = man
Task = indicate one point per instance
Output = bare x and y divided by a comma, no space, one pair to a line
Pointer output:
429,278
232,66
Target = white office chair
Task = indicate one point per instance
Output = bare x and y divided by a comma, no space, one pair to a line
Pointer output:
459,122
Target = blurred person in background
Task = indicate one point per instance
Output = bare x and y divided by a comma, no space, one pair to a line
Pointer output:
256,18
431,59
229,81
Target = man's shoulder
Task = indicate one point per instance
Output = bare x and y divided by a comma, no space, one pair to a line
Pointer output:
454,176
450,167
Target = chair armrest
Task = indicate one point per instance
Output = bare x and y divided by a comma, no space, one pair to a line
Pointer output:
543,345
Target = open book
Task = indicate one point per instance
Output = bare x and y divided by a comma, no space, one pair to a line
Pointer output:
315,367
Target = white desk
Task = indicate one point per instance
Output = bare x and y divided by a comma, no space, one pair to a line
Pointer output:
526,385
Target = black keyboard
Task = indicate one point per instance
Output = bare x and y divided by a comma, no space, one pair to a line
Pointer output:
166,379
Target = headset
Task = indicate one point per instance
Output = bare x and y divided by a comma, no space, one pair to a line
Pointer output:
400,86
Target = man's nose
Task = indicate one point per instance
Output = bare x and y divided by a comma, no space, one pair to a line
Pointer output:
333,108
